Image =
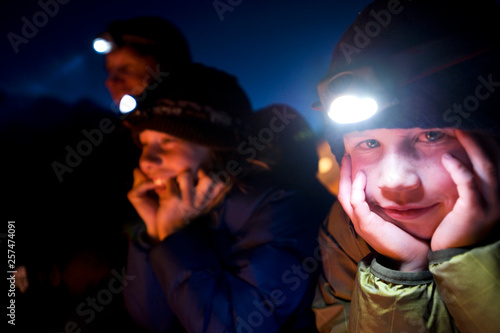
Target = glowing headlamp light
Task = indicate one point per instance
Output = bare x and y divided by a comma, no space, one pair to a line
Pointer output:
127,104
103,43
348,109
102,46
352,97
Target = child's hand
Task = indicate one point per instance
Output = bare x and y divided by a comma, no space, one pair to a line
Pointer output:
179,201
477,209
144,202
407,252
183,201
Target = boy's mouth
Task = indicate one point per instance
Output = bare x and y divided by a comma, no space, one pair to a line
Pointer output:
408,213
160,182
160,185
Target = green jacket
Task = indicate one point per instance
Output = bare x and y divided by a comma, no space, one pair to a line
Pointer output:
459,293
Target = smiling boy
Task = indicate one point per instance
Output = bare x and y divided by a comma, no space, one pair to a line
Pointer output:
413,243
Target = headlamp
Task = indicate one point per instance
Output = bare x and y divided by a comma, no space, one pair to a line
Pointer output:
347,109
103,43
102,46
127,104
106,42
354,96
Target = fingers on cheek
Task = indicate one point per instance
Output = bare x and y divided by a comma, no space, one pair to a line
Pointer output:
344,195
487,170
484,155
173,187
468,189
460,174
185,179
203,193
345,166
217,188
201,174
209,191
204,181
345,182
358,189
139,177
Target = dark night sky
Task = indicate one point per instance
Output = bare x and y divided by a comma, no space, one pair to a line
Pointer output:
278,49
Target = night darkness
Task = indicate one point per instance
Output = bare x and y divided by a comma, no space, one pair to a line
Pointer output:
279,50
54,104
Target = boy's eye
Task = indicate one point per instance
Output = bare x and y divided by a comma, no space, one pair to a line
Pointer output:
432,136
167,141
125,71
370,143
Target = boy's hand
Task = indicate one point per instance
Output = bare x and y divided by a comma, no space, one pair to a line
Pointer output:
407,252
477,209
180,202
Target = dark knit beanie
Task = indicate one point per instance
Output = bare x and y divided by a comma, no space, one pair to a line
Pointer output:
439,60
153,36
199,104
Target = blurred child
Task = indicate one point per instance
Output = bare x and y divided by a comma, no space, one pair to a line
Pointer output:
224,247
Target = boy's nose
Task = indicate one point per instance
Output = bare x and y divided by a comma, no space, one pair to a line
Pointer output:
114,85
398,174
114,78
150,157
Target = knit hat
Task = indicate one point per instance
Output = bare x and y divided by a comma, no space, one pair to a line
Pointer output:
199,104
434,63
150,35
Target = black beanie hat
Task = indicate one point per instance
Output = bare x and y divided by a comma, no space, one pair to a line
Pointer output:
199,104
151,35
438,59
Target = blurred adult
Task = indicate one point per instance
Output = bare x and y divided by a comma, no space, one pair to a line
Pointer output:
140,51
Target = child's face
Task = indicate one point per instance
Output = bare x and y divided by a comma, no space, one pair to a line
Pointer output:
165,156
128,72
406,181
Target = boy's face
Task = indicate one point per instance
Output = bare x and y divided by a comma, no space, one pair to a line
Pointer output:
165,156
407,184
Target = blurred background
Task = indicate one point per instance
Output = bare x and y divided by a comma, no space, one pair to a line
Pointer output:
278,49
70,210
